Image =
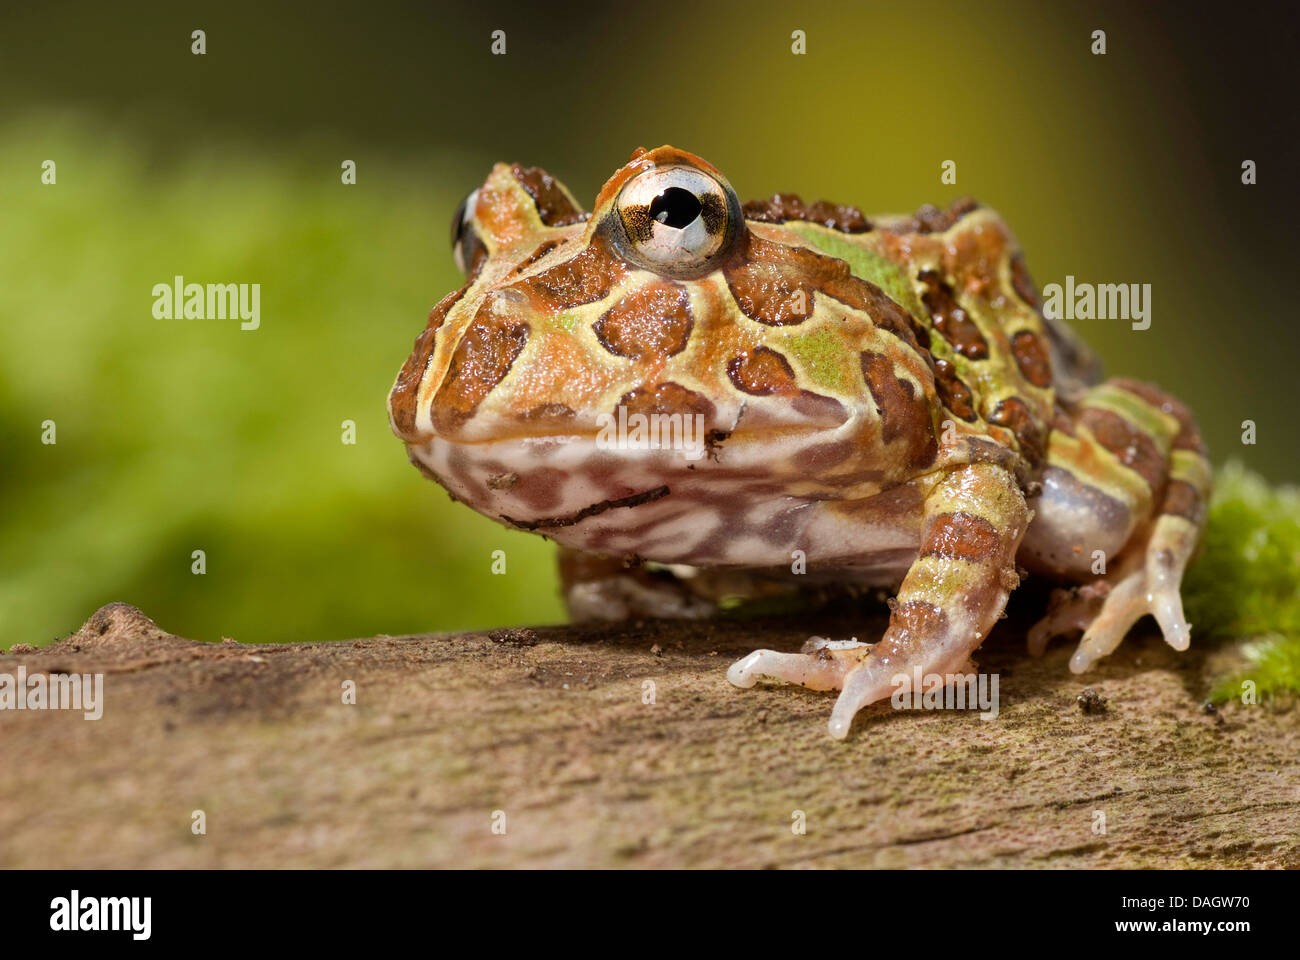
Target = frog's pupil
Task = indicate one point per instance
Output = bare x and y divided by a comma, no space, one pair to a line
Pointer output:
676,208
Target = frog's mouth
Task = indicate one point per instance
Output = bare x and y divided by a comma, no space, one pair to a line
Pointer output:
726,507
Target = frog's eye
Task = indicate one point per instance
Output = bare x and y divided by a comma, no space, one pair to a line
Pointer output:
677,221
466,245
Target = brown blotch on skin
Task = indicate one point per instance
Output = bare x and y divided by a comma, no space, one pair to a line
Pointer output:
817,459
904,413
1147,391
766,279
921,332
930,219
653,321
771,285
1131,446
537,254
961,536
1070,355
789,206
555,209
540,488
1022,282
950,319
481,360
1032,358
548,413
980,449
1189,437
1063,420
667,398
762,372
586,278
954,394
1014,414
1183,500
822,409
406,390
911,625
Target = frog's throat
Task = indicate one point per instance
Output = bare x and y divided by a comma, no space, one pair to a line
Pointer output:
660,505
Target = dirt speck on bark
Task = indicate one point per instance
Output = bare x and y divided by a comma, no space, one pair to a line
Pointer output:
624,745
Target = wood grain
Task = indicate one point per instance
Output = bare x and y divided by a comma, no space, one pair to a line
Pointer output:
549,726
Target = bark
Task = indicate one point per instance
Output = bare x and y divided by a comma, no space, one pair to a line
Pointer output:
549,726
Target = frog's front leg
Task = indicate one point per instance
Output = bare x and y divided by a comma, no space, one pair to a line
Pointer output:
952,595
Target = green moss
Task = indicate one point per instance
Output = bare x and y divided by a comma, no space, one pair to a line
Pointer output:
183,435
1246,583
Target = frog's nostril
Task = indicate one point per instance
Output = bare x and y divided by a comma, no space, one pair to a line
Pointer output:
676,208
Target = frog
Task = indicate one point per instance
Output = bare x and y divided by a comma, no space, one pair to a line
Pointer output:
873,402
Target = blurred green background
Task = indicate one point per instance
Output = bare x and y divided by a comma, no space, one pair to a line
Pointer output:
192,434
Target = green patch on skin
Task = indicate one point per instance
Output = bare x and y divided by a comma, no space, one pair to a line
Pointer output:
568,322
1245,583
822,355
864,263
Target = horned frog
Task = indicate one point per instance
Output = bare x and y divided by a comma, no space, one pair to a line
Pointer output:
697,398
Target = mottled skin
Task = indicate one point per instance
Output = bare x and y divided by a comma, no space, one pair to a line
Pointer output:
884,404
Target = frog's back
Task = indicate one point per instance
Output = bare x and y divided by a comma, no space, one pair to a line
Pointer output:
1000,369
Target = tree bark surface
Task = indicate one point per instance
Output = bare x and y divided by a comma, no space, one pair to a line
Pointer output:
547,735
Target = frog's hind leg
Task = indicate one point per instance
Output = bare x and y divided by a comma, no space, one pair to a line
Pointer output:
597,587
1147,582
1148,457
952,595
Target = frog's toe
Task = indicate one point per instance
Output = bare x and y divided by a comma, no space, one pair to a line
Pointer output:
1130,600
1164,574
1122,608
862,686
1151,588
822,665
1069,611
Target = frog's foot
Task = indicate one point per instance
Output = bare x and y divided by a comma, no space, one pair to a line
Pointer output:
1068,611
1106,612
951,597
821,665
606,588
1082,503
627,598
